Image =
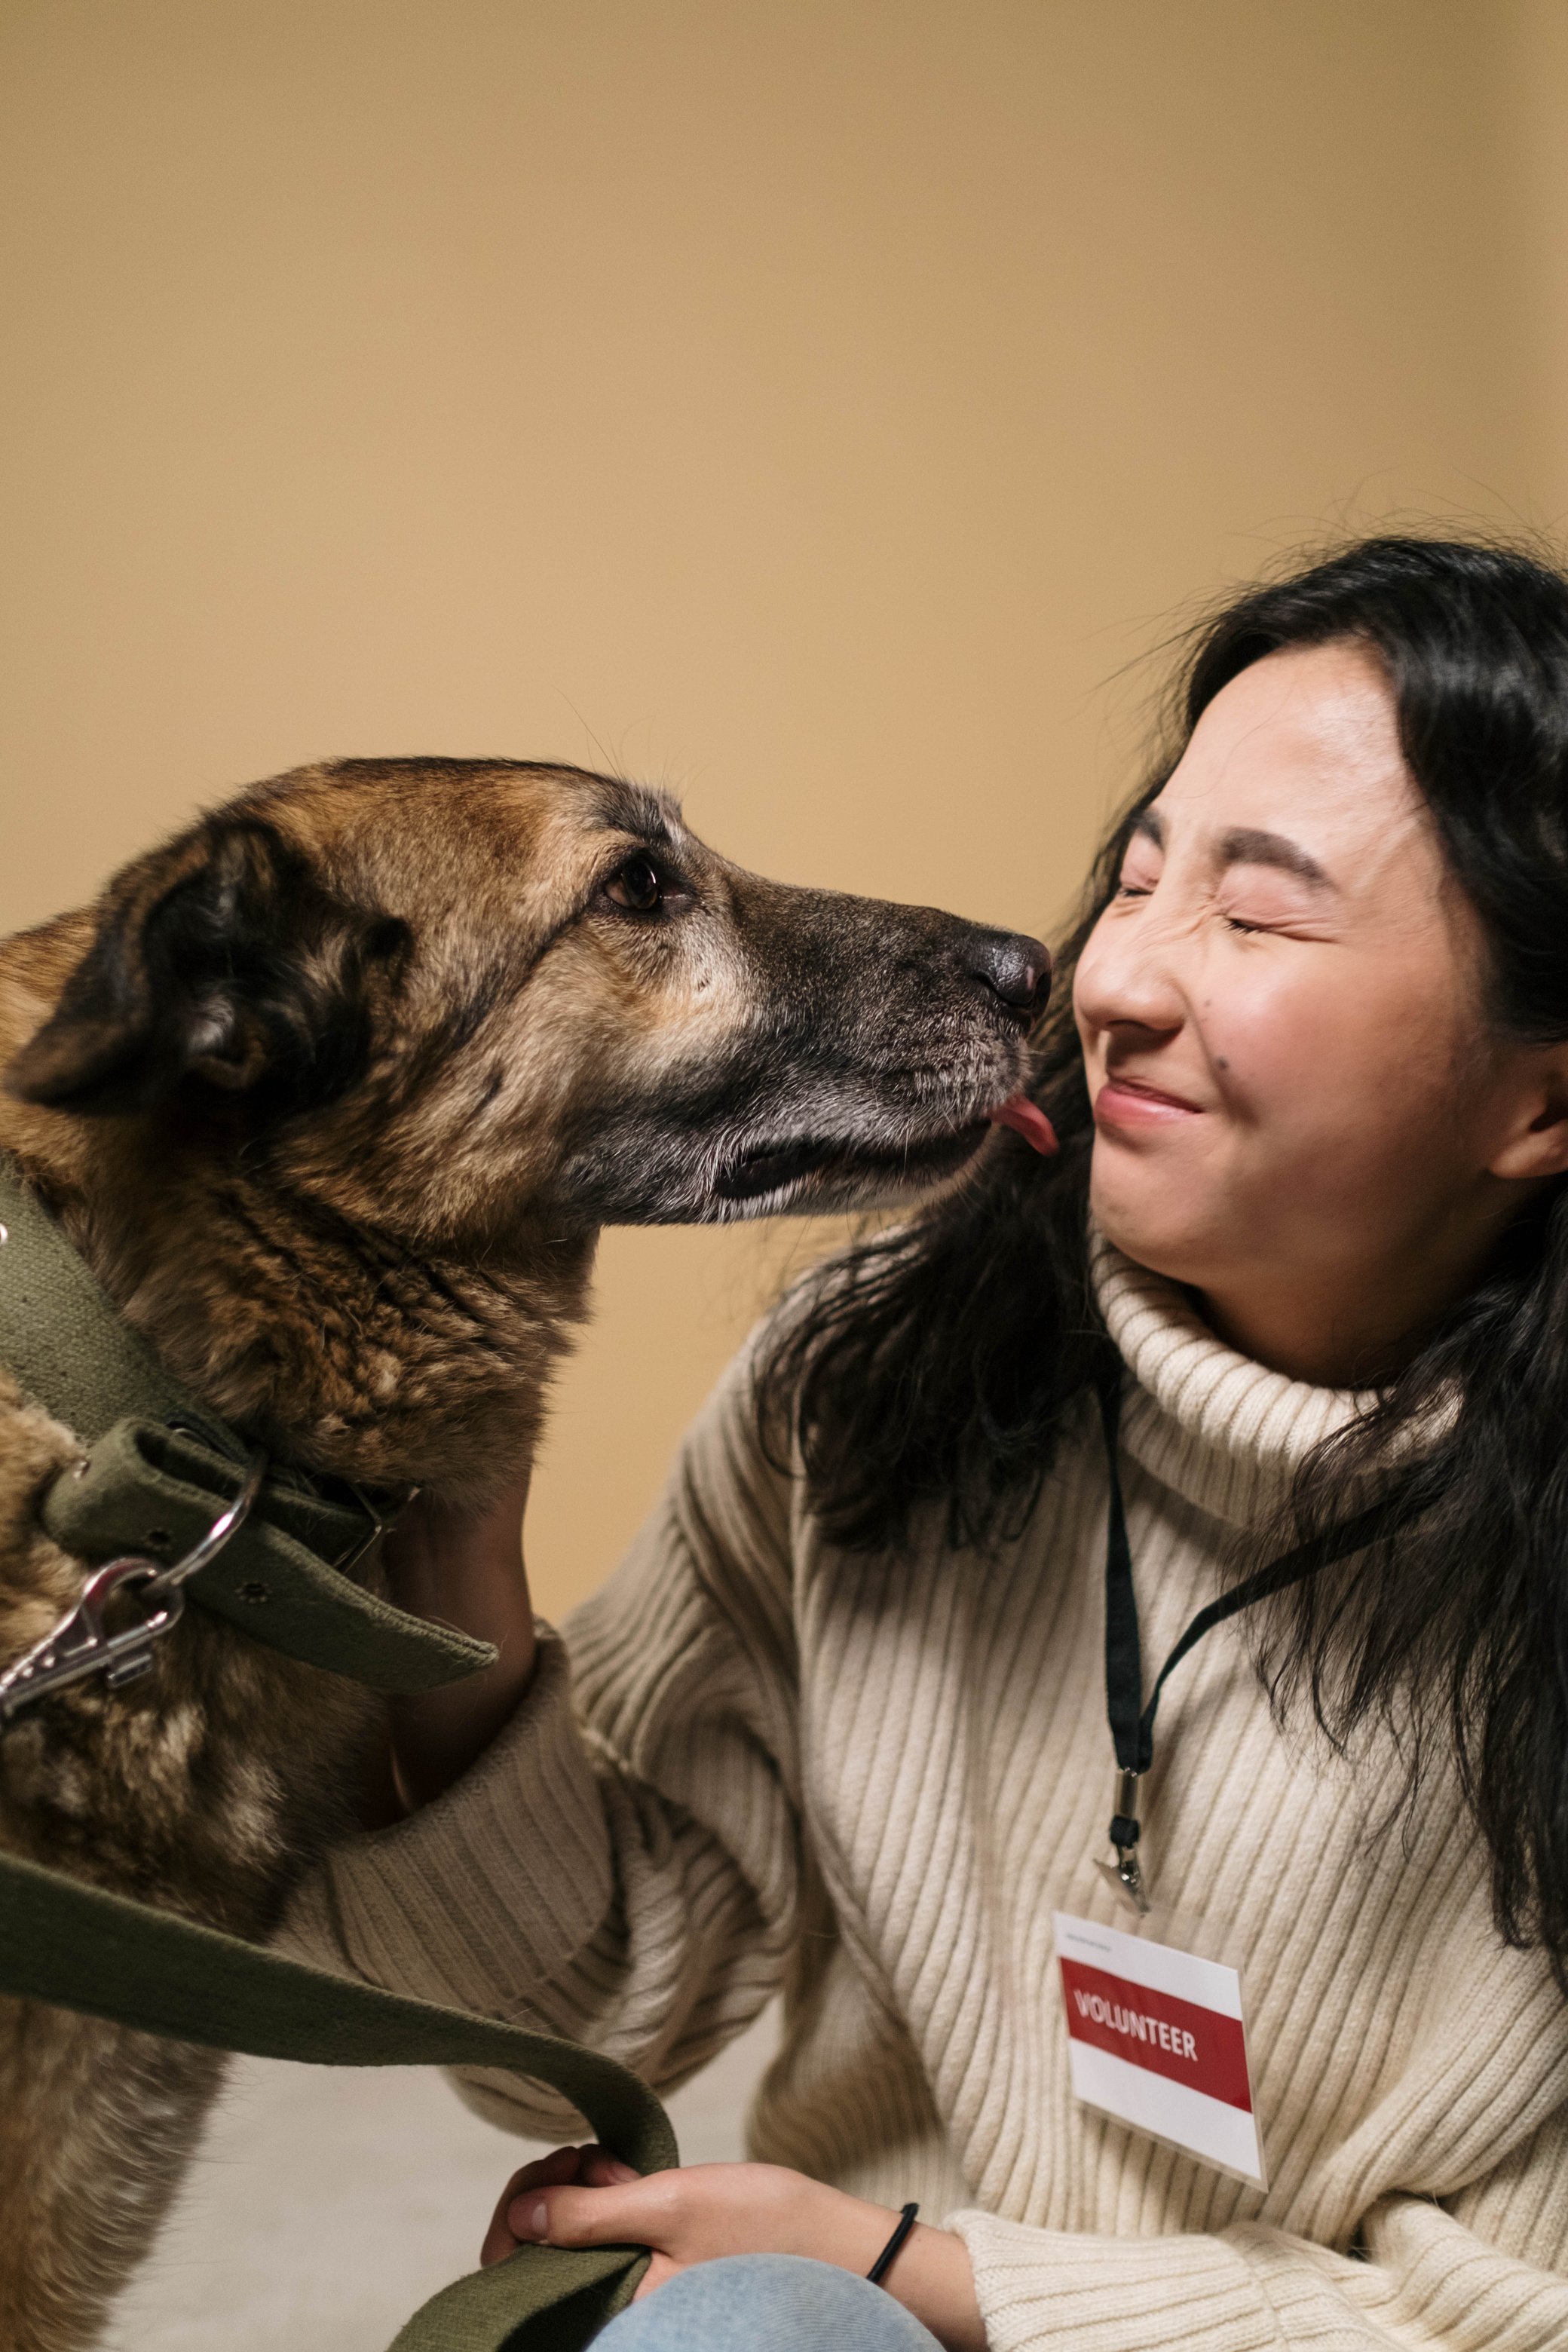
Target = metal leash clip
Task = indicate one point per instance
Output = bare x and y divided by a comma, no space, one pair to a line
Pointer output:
82,1643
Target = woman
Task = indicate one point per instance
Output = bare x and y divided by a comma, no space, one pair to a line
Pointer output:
839,1724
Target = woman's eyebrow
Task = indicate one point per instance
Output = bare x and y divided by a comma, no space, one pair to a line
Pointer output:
1245,846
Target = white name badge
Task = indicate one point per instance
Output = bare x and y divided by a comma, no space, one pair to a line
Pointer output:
1156,2038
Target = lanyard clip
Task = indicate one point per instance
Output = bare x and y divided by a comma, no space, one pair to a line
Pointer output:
1124,1835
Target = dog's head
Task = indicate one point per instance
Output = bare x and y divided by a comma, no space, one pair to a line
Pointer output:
447,997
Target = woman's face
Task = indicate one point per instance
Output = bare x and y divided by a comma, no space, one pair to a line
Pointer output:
1300,1108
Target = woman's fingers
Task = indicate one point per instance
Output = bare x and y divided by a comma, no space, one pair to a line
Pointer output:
562,2164
627,2213
593,2167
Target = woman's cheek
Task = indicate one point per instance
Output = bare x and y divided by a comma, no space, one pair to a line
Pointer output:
1291,1037
1264,1009
1333,1085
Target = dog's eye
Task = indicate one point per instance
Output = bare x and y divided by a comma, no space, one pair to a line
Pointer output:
637,886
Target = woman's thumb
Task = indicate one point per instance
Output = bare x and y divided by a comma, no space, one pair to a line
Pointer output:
573,2217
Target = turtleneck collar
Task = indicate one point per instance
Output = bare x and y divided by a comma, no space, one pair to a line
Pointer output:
1223,1431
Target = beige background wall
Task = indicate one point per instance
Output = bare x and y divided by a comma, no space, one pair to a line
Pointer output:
813,406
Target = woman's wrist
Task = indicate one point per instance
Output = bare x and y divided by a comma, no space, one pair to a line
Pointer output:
462,1569
932,2276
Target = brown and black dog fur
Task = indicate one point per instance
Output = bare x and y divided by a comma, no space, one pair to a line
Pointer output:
334,1093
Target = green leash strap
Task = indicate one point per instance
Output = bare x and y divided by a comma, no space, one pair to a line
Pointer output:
79,1947
62,1339
161,1466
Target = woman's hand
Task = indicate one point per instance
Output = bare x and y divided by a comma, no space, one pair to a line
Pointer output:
463,1569
585,2197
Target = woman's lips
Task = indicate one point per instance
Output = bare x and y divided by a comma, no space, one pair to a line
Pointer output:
1129,1102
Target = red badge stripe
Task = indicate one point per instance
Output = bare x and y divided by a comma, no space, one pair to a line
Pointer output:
1156,2030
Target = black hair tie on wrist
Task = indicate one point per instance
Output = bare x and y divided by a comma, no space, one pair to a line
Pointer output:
884,2261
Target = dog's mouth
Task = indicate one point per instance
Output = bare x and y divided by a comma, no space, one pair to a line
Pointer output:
826,1164
832,1165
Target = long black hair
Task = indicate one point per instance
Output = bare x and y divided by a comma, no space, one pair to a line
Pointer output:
936,1366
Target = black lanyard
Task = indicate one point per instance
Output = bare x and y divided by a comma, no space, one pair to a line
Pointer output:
1132,1723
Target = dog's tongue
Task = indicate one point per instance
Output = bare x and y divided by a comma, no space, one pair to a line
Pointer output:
1026,1118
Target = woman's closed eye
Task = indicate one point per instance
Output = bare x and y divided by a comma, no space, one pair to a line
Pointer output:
1242,916
1140,871
1260,898
1238,912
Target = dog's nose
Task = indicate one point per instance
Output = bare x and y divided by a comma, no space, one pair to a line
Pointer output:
1016,968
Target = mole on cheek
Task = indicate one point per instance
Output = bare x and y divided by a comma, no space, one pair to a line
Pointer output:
1221,1062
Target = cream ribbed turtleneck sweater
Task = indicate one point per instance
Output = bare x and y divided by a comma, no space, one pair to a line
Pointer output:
771,1764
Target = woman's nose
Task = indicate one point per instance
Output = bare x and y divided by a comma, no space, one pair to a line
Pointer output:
1125,977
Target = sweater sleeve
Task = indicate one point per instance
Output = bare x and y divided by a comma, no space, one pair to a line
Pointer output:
1455,2274
620,1866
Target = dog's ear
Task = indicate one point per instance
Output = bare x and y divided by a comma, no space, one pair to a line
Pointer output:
221,962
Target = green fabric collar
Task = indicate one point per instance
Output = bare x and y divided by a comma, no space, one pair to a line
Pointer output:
160,1466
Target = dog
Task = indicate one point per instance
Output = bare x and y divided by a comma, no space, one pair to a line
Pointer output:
333,1093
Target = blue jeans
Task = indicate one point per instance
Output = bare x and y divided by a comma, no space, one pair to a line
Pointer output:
765,2303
